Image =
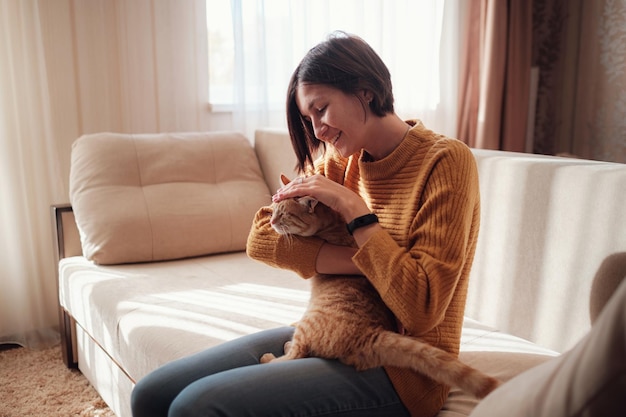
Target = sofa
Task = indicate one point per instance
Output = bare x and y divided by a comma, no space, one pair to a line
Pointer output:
152,263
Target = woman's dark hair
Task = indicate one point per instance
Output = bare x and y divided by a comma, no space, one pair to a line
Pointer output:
345,62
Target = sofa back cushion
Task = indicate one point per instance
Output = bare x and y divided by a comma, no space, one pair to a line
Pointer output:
151,197
276,156
547,223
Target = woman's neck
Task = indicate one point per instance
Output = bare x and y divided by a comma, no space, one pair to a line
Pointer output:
385,136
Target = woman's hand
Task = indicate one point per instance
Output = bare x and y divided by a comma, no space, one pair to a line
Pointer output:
348,203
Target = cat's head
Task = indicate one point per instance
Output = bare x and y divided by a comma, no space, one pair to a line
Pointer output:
295,216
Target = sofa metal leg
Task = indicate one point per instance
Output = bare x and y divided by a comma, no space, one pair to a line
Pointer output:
66,325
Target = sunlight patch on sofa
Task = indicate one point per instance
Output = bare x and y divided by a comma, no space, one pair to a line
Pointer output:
268,291
199,323
247,306
488,340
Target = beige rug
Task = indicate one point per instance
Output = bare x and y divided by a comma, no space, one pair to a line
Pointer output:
37,383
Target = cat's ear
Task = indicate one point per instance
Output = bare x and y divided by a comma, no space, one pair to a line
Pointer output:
284,179
309,202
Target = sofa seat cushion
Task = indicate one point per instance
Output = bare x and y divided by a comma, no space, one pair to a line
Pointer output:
498,354
152,197
147,314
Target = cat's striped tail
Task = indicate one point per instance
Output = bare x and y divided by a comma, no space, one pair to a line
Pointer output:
407,352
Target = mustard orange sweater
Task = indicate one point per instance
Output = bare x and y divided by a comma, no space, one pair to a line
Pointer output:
426,196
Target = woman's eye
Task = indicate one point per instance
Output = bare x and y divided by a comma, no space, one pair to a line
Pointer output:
321,109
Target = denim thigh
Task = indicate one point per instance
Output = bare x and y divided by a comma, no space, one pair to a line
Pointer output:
227,380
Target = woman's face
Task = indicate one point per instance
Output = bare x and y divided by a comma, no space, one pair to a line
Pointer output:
338,119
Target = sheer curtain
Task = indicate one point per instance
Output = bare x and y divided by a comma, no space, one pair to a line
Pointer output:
69,67
30,180
418,40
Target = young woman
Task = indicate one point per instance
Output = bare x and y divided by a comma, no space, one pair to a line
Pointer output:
411,198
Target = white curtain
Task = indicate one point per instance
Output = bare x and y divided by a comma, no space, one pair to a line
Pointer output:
30,180
69,67
418,40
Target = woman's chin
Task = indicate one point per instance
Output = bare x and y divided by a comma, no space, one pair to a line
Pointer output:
345,153
340,151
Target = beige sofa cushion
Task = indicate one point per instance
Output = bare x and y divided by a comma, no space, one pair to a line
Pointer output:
275,154
151,197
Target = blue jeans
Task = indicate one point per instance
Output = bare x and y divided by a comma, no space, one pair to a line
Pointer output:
227,380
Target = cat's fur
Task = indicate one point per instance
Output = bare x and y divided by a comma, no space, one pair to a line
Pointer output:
347,320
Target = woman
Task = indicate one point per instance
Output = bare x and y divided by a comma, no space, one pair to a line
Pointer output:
416,251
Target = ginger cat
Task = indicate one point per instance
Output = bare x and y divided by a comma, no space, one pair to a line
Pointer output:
346,318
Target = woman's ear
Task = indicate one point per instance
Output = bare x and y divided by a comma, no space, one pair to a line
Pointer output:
367,96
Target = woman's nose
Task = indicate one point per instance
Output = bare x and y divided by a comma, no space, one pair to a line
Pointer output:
319,128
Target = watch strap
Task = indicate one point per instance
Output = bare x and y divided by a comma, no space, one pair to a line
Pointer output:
362,221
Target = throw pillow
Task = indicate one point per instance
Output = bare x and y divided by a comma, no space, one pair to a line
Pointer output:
153,197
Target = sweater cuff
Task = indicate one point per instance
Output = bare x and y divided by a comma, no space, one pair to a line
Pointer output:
367,258
301,257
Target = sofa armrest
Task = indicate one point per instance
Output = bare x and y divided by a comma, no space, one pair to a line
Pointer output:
66,236
275,154
66,243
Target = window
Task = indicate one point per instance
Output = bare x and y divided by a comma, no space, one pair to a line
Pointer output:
254,45
221,53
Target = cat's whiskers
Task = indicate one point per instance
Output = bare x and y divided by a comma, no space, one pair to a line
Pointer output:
289,238
282,230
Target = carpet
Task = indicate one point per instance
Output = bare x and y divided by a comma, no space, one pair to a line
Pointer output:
37,383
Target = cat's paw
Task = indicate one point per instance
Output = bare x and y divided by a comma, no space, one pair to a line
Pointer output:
287,346
267,358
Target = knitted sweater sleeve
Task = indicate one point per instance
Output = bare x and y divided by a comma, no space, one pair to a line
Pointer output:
296,253
417,281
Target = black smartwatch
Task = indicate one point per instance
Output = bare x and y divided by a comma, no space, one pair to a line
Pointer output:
362,221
